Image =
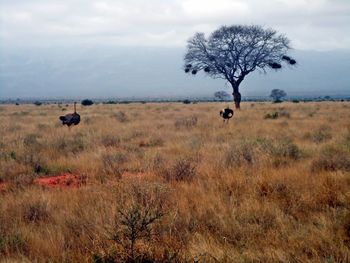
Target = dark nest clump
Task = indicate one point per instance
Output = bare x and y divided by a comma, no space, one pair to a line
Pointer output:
289,60
188,68
207,69
275,65
194,72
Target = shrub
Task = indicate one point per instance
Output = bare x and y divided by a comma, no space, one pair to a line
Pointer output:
153,142
121,116
74,144
186,122
87,102
36,211
184,169
31,140
241,153
280,151
347,139
273,115
37,103
13,155
110,102
332,158
110,140
141,207
285,148
14,242
320,135
277,114
186,102
113,163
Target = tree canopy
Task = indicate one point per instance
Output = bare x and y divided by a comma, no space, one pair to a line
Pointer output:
277,94
232,52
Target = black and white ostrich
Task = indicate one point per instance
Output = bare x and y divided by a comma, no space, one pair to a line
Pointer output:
226,114
71,118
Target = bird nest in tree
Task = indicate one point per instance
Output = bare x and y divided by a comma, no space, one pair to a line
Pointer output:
275,65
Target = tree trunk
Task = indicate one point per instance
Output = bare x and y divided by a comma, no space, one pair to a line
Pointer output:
236,96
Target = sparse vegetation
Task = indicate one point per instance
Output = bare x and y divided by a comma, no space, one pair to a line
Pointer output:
170,183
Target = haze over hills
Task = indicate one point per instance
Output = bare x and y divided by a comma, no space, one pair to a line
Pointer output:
103,72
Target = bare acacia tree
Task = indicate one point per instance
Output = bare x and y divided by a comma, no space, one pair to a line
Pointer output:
232,52
221,95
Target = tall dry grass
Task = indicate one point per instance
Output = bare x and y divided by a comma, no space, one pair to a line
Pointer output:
172,183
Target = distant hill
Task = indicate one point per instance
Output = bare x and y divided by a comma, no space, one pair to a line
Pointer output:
126,72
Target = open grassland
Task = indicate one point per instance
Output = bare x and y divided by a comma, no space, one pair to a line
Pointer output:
172,183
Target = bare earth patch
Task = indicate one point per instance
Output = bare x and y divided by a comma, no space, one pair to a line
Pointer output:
61,181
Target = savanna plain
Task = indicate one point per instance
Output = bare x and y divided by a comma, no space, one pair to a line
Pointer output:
170,182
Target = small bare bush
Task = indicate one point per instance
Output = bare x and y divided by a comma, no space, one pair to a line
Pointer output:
36,212
285,148
74,144
110,140
121,116
186,122
31,140
113,163
332,158
320,135
273,115
141,207
153,142
347,139
184,169
241,153
277,114
14,242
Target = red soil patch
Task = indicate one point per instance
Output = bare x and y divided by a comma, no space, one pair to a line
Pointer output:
61,181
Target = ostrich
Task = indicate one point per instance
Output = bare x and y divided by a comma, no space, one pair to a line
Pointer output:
71,118
226,114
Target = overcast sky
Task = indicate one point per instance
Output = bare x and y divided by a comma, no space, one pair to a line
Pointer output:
315,25
311,24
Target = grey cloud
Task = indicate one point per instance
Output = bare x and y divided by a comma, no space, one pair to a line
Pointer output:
318,24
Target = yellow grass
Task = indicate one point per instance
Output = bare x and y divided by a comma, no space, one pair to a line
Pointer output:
253,190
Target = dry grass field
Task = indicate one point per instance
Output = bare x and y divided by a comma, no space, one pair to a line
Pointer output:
171,183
